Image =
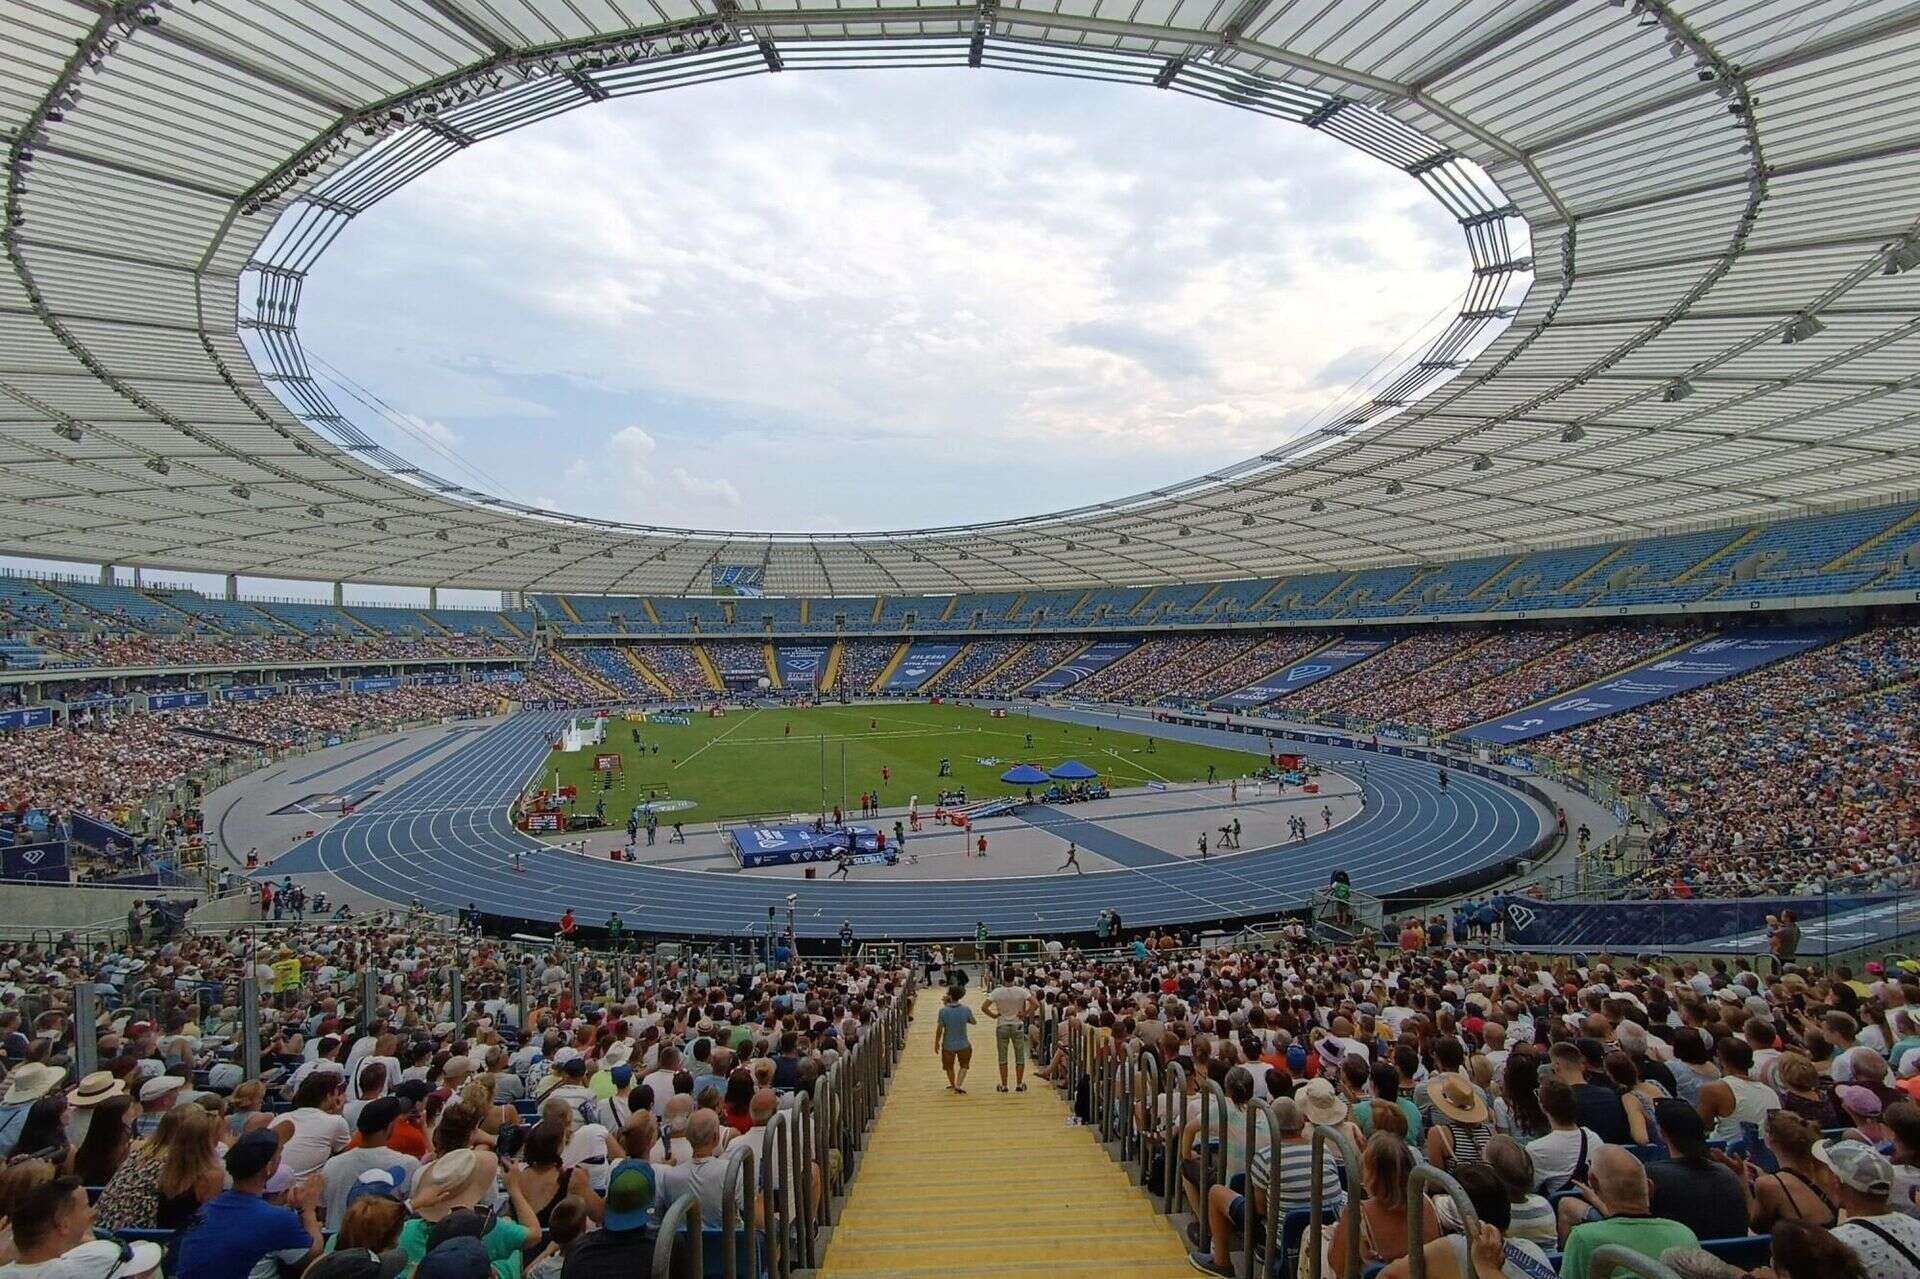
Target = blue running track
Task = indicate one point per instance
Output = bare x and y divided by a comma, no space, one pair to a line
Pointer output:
443,836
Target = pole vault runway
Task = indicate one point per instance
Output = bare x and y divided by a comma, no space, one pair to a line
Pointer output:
443,836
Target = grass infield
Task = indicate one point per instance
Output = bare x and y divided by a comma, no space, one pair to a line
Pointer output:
748,763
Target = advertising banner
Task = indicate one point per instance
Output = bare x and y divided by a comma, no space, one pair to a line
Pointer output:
800,666
433,680
248,692
44,863
920,664
315,688
1097,658
757,846
26,717
1696,666
176,701
1721,924
376,683
1328,661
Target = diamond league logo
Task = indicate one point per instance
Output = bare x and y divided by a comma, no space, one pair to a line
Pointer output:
1519,916
33,856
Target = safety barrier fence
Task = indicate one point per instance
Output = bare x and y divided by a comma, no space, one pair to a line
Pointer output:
1141,1108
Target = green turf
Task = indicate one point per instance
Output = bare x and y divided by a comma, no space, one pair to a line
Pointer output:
747,764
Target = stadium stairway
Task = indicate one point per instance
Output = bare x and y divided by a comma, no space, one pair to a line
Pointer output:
577,668
893,664
997,667
645,672
830,672
990,1184
772,663
706,665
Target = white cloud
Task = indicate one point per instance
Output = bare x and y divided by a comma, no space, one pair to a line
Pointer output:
809,285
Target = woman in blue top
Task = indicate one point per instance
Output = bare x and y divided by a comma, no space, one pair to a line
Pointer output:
950,1039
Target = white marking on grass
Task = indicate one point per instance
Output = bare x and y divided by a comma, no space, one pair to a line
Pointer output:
712,741
1137,764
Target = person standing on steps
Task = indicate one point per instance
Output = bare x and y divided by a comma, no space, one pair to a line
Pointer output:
1010,1004
951,1040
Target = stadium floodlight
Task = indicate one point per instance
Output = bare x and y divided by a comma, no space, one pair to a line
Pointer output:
1246,521
316,513
68,431
440,535
1185,531
1125,540
379,525
1318,505
502,543
1481,462
1678,391
1395,488
1573,434
1902,257
241,491
158,465
1802,328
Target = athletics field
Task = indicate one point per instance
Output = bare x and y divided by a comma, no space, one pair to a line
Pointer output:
780,761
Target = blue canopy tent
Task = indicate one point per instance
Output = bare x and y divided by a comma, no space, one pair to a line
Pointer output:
1073,771
1023,775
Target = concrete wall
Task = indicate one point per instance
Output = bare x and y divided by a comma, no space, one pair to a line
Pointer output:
29,906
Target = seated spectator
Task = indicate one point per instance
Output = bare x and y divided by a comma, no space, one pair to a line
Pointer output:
451,1188
1293,1149
239,1228
623,1246
1565,1154
565,1226
1801,1251
1530,1216
1448,1257
1689,1186
1887,1242
1464,1124
1733,1101
1803,1189
1619,1194
1385,1165
1599,1106
372,1152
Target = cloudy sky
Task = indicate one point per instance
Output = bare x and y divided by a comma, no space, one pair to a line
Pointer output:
837,300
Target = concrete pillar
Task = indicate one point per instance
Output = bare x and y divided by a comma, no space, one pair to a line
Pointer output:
86,1042
106,575
233,586
433,597
339,594
250,1026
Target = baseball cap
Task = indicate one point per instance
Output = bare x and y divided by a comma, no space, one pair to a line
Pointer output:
1857,1165
630,1195
252,1153
382,1183
413,1090
462,1258
377,1114
359,1263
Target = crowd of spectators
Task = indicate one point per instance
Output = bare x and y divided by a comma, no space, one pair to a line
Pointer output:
974,664
680,667
379,1137
1358,688
549,681
1795,779
1502,653
1581,661
1035,660
125,649
1663,1096
1272,653
1161,665
861,662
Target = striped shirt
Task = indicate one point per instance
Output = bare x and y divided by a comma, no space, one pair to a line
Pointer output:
1295,1186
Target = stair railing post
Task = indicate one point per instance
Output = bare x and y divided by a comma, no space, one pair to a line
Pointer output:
685,1209
1350,1210
1173,1119
739,1176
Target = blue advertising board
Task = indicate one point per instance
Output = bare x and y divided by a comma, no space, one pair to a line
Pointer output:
175,701
800,666
44,863
433,679
26,717
314,688
920,664
1096,658
757,846
376,683
1330,660
1693,667
501,677
249,692
91,832
1734,924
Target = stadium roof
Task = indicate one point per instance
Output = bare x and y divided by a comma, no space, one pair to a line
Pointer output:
1692,219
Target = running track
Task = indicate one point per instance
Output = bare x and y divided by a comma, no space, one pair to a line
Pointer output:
443,836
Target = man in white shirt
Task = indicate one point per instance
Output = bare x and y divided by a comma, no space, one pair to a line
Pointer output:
704,1175
1010,1004
661,1080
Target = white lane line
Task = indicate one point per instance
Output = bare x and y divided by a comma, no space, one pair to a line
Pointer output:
717,740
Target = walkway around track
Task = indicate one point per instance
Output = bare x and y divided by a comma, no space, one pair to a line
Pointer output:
990,1184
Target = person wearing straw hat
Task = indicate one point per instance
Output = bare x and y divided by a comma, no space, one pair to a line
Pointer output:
1465,1127
460,1180
25,1086
97,1087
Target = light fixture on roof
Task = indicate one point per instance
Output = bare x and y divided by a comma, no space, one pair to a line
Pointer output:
1902,257
1802,328
316,513
241,491
67,431
1185,531
440,535
1246,521
1573,434
379,526
1125,540
158,465
1678,391
1481,462
1318,505
502,543
1395,488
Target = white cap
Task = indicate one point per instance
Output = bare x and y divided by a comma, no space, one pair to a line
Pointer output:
98,1258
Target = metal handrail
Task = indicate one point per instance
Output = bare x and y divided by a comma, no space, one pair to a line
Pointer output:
1211,1095
731,1210
685,1208
1349,1211
1172,1124
1423,1176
